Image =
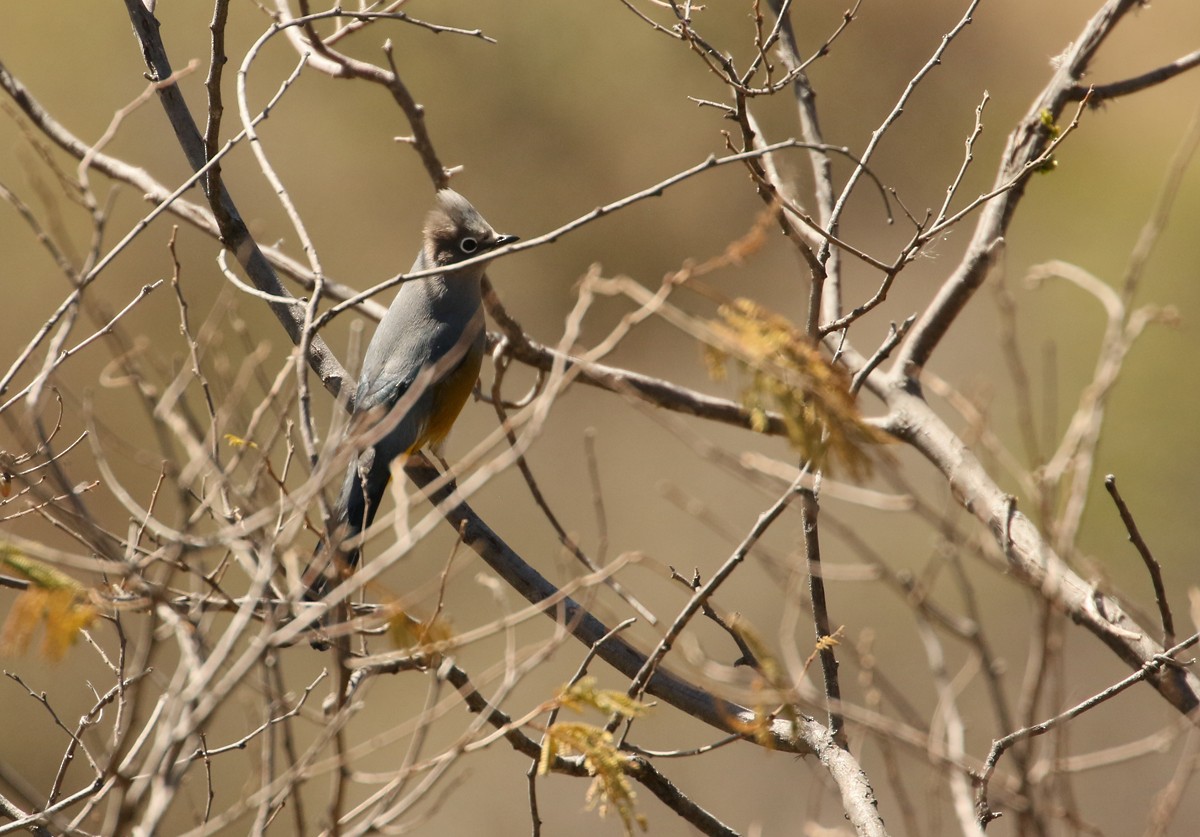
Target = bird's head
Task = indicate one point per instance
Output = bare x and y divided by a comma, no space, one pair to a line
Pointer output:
455,231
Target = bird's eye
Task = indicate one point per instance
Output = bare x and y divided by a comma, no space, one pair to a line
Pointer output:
468,245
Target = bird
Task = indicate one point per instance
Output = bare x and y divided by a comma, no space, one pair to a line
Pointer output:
418,371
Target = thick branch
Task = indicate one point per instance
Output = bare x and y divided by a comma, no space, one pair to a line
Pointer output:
806,736
1025,144
656,391
234,234
588,629
1030,558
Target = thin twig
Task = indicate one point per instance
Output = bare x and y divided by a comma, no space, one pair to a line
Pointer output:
809,510
647,671
234,232
539,497
1152,666
894,336
1152,565
878,134
657,190
1136,84
38,817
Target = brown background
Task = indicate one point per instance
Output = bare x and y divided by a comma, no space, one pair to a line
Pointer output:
580,104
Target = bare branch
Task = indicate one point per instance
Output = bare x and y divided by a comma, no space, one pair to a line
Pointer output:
234,234
1152,566
1129,86
1026,144
1152,667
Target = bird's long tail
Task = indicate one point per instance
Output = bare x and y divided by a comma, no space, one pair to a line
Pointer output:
354,511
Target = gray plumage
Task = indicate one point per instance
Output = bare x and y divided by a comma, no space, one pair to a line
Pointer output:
423,360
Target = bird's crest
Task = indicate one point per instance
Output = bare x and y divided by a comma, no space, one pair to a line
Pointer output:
453,216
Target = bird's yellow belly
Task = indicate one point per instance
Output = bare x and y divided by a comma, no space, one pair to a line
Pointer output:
449,396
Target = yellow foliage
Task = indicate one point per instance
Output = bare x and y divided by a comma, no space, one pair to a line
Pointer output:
407,631
611,789
825,643
1047,120
53,599
584,693
1053,129
789,374
771,682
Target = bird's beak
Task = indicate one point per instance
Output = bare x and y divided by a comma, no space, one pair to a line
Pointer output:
501,240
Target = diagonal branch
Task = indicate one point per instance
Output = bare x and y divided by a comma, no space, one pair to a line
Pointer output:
157,193
615,651
804,736
1028,556
1026,144
234,233
1126,87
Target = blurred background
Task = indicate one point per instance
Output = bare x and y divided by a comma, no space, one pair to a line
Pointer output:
578,105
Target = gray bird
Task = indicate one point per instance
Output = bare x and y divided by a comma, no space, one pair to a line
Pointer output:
418,372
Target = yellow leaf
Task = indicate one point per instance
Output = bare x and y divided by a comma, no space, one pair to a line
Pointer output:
238,442
584,693
787,372
65,616
611,789
22,621
53,599
41,575
408,631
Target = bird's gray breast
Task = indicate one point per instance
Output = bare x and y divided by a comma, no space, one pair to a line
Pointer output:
426,321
